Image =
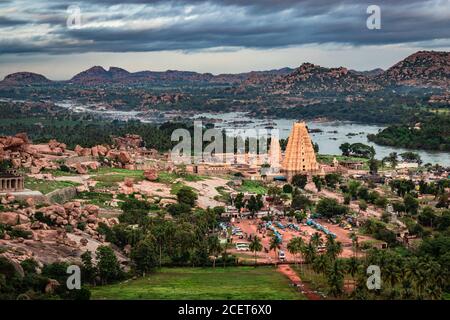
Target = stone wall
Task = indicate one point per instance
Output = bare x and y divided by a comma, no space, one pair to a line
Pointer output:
81,159
62,195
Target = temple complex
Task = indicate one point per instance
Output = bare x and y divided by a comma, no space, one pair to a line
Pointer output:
11,181
300,157
275,153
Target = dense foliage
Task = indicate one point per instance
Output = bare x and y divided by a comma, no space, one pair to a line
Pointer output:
432,134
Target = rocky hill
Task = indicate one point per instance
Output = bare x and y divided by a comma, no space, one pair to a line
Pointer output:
424,68
421,69
98,75
24,78
310,78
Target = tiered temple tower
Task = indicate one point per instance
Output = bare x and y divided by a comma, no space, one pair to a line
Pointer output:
275,153
299,157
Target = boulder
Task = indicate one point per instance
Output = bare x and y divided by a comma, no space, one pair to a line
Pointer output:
30,202
78,149
13,218
92,209
86,152
102,151
95,151
80,168
151,174
51,286
92,219
128,182
124,157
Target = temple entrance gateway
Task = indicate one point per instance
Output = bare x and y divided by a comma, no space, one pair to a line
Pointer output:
300,157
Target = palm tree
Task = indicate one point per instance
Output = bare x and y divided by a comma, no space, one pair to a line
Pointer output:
321,264
392,274
333,247
296,246
255,246
293,248
336,278
316,239
352,267
275,243
413,275
355,243
310,252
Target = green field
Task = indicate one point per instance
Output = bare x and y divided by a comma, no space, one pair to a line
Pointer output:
46,186
108,177
256,187
203,284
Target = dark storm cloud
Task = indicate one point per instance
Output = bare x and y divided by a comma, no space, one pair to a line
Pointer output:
138,25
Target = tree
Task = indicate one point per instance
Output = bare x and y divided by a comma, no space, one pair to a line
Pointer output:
287,188
294,246
332,179
353,187
316,239
274,192
329,208
411,204
335,278
134,211
411,157
316,147
255,204
374,164
392,159
214,248
362,205
299,180
321,264
88,269
107,265
177,209
239,202
255,246
318,182
333,247
345,148
352,267
300,202
310,252
355,244
145,256
275,243
187,196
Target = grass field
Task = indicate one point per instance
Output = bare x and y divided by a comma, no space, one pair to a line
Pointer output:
171,177
108,177
46,186
203,284
253,187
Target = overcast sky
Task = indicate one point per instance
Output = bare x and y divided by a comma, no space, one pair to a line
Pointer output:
218,36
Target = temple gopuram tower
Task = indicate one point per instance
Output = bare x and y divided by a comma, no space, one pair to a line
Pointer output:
275,153
299,157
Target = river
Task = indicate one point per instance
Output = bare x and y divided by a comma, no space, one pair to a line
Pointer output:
332,135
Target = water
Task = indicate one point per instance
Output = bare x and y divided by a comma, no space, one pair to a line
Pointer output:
334,133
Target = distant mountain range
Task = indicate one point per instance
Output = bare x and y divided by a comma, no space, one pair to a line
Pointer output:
421,69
